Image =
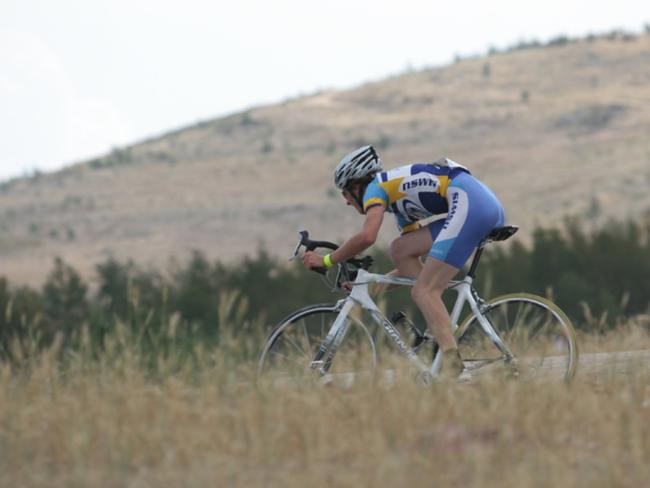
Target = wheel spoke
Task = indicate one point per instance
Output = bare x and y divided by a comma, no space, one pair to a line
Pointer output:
300,363
298,348
531,329
307,341
294,342
534,334
322,328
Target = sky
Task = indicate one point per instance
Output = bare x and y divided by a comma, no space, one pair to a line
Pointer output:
80,77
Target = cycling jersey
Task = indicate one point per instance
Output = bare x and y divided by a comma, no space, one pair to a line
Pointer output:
413,192
417,191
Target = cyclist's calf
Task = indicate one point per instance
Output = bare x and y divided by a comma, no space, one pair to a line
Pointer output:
427,294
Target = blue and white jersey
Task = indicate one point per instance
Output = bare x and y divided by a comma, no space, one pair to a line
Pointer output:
413,192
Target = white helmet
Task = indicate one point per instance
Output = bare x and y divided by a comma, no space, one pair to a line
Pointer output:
357,164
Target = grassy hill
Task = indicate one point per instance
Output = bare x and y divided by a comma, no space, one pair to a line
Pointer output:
557,130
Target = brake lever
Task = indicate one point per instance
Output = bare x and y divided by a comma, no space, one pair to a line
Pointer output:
295,253
309,246
304,236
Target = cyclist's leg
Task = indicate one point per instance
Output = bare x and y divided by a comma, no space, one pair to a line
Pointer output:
427,295
406,250
473,212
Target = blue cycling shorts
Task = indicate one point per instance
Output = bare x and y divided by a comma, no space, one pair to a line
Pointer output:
473,212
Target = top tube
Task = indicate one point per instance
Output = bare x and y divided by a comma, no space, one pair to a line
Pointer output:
365,278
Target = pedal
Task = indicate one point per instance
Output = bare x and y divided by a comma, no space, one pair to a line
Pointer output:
424,378
417,341
422,337
417,337
512,369
464,378
326,380
316,365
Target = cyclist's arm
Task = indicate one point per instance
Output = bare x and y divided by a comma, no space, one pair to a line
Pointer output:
356,244
364,239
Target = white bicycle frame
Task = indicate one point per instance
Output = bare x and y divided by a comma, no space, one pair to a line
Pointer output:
360,297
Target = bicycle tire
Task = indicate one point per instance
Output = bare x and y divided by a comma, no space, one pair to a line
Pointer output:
537,331
291,346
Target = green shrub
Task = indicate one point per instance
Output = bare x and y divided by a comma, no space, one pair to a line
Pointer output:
602,274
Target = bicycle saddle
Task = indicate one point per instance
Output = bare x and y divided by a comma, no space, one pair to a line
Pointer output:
501,233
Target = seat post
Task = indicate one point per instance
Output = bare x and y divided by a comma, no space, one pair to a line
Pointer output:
477,256
497,234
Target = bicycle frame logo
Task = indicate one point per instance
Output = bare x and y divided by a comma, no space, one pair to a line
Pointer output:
361,297
397,338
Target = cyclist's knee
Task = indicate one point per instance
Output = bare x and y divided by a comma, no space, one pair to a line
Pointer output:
417,293
424,291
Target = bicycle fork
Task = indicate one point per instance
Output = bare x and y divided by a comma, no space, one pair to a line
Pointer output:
332,341
509,358
397,339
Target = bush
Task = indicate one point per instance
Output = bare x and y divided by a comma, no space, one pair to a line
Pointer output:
603,274
606,270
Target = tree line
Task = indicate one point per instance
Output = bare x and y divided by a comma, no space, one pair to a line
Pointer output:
599,278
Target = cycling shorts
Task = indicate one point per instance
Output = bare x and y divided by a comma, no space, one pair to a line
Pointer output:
473,212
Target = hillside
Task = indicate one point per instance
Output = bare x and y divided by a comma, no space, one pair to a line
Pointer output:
555,131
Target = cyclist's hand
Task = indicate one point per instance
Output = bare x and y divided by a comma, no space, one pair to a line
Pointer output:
312,260
347,286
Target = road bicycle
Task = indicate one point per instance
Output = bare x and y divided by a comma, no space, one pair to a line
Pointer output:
519,335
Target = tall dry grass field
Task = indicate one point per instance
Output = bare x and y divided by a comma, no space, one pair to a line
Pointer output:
108,421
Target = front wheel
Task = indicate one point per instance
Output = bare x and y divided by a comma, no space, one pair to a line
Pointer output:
535,330
288,355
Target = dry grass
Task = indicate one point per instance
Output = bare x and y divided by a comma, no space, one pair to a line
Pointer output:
631,335
105,422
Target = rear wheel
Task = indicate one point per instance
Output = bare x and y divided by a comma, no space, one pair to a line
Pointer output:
534,329
288,355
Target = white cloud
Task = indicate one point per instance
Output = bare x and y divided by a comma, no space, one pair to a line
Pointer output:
78,77
45,122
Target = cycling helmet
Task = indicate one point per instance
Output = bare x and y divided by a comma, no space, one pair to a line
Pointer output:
357,164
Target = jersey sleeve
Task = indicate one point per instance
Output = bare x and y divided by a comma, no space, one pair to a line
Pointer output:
374,195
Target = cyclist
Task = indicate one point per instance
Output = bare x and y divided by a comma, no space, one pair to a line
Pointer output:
415,192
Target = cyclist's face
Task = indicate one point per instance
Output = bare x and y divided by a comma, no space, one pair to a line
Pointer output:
350,199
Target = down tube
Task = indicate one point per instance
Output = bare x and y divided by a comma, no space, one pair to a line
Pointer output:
397,338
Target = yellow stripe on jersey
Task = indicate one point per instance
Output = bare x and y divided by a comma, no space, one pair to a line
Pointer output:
392,189
374,201
410,228
444,184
